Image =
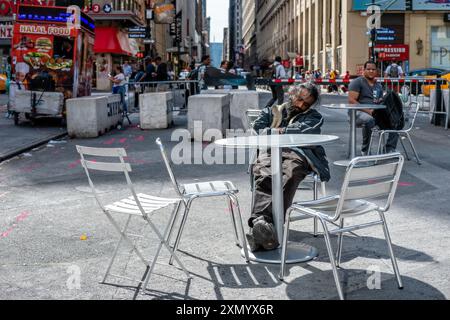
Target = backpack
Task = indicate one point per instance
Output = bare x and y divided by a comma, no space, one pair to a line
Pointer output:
394,72
193,75
392,117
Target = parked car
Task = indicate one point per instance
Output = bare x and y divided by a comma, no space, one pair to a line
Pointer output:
429,73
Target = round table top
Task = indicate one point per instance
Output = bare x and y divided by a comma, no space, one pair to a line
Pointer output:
354,106
283,140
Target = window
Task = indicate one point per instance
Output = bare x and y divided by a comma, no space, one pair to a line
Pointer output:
440,47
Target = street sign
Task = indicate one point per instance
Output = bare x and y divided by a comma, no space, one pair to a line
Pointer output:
136,35
137,30
107,8
147,41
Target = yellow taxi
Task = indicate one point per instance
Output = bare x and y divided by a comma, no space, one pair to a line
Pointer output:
3,79
426,88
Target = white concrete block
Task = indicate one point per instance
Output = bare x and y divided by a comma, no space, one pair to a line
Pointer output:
90,117
210,111
156,110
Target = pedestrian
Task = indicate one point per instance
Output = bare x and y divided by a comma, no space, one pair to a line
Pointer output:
148,74
119,82
127,70
278,73
366,90
299,117
161,73
393,71
201,72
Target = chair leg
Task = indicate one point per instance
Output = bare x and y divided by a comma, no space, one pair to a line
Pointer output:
162,243
315,197
173,221
180,231
391,251
380,142
241,228
332,261
404,148
340,240
233,220
413,148
323,186
369,152
284,244
116,250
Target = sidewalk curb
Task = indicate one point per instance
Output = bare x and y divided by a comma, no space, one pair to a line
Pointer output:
39,143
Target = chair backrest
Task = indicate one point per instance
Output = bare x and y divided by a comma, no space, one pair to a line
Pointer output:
94,165
415,112
371,177
252,115
169,168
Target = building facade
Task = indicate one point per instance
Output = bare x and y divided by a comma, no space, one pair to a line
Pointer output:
236,48
226,45
249,30
332,34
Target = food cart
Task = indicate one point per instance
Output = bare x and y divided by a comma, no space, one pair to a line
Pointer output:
55,44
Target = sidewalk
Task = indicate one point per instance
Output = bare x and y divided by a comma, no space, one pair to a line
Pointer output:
46,209
15,140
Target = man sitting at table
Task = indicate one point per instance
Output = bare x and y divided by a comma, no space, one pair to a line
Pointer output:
294,117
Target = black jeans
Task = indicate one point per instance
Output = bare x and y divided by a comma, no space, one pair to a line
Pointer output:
277,95
295,169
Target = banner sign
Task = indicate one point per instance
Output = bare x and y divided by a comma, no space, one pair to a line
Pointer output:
392,52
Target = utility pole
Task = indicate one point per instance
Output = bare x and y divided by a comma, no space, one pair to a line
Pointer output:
373,39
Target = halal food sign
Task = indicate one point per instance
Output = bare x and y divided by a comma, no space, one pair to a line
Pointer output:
47,30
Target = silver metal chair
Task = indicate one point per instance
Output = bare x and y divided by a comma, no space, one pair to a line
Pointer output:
189,192
366,178
402,133
137,205
313,178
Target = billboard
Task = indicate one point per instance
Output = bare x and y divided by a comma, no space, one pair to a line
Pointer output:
431,5
398,5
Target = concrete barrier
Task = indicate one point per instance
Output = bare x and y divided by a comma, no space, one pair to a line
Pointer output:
210,111
156,110
90,117
240,102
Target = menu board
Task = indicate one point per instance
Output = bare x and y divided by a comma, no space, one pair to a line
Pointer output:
46,49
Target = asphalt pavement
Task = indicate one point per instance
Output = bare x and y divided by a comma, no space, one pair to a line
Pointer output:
55,242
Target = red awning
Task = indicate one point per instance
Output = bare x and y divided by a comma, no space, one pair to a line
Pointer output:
111,40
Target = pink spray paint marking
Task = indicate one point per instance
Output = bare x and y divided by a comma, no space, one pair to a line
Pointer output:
30,168
140,139
406,184
75,164
21,217
110,141
123,140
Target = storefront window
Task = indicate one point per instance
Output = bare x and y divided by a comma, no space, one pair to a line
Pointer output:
440,47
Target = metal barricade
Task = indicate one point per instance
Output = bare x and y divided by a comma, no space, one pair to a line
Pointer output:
181,89
410,89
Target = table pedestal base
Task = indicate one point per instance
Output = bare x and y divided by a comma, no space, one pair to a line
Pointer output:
296,253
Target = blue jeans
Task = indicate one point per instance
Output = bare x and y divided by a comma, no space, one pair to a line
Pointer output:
121,90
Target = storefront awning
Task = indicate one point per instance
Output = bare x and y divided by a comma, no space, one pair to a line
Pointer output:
112,40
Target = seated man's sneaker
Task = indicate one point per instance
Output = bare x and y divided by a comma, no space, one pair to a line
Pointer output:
252,243
264,234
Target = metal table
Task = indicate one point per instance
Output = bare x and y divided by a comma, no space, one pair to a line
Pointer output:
353,108
296,252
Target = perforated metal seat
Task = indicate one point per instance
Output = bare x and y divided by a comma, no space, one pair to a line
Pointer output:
212,188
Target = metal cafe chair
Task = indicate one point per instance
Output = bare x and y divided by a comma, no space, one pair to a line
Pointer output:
366,178
189,192
312,178
402,133
137,205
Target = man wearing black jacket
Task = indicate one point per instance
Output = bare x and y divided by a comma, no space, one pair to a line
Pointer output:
297,117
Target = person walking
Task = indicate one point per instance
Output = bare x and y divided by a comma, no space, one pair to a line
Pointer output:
394,71
278,73
366,90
